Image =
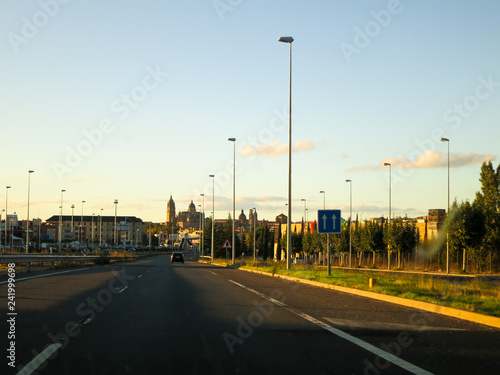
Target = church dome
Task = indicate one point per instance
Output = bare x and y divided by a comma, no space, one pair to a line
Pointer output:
242,216
192,207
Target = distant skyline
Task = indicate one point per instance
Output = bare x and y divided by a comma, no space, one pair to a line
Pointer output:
135,101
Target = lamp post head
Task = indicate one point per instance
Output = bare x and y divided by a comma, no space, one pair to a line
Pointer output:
322,192
8,187
202,195
30,171
444,140
211,175
387,164
116,201
303,200
232,139
348,181
285,39
62,191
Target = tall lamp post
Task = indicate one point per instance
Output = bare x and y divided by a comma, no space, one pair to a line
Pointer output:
328,249
72,225
324,199
447,239
234,192
28,218
6,214
213,215
100,229
389,221
350,222
115,234
254,232
305,208
81,227
60,222
202,225
289,40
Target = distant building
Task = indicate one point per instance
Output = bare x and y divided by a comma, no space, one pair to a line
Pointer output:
171,211
94,229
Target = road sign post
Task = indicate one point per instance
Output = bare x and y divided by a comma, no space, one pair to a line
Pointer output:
329,221
227,245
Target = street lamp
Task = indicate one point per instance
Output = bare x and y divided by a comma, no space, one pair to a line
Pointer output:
329,252
72,225
447,242
100,229
390,183
213,214
28,218
202,224
305,208
234,190
350,222
60,222
289,40
81,226
324,199
116,205
254,231
92,232
6,215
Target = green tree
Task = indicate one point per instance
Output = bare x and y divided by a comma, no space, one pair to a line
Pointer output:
488,202
465,230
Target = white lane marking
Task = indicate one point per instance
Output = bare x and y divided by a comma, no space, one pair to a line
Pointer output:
46,275
357,324
213,273
139,276
363,344
39,359
121,290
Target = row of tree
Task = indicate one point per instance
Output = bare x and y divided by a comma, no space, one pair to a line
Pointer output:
474,227
471,230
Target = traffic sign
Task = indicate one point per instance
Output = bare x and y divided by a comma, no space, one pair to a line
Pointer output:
227,245
329,221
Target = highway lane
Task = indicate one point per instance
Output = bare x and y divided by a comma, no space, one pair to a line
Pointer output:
151,316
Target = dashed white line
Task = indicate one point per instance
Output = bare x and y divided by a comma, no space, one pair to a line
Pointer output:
213,273
46,275
363,344
122,289
39,359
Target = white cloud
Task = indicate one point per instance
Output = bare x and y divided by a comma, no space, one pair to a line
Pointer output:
431,159
274,149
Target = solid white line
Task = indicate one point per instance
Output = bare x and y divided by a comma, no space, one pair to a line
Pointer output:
39,359
46,275
363,344
122,289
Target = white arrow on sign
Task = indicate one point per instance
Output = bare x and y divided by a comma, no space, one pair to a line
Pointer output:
324,221
334,219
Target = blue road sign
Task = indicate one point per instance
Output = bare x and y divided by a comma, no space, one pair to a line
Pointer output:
329,221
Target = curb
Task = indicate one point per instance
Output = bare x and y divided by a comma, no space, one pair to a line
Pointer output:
487,320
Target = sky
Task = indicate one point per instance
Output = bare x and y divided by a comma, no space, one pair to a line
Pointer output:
135,101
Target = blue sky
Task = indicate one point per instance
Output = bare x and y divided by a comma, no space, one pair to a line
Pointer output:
135,101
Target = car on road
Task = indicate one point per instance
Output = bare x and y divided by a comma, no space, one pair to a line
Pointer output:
177,256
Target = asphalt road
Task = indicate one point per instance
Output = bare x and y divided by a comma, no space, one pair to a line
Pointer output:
154,317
